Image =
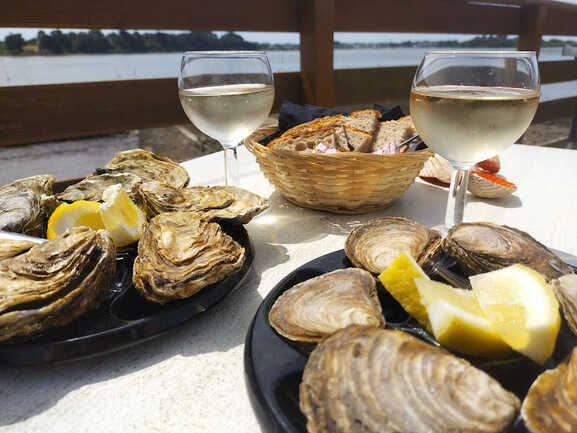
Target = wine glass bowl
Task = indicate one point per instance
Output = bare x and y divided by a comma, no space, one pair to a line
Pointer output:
227,95
469,105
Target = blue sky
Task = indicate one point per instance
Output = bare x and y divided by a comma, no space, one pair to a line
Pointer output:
294,37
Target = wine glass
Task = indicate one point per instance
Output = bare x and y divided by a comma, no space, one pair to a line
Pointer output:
227,95
469,105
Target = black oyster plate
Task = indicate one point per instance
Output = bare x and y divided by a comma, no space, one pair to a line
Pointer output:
274,365
125,319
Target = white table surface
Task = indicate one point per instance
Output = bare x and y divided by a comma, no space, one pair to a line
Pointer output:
192,379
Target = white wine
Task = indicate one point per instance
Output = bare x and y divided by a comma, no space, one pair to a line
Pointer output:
228,113
467,124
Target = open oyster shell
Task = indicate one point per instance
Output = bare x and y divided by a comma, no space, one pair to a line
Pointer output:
180,253
373,246
482,247
12,247
550,405
92,187
224,202
565,289
148,166
26,204
367,379
55,282
316,308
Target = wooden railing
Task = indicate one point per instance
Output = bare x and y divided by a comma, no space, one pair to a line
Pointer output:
46,112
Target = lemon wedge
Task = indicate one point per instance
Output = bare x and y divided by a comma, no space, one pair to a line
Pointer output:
399,280
522,307
123,220
79,213
458,322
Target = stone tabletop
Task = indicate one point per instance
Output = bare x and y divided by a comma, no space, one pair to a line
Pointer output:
192,379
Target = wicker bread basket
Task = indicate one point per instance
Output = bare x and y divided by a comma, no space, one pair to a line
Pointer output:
346,183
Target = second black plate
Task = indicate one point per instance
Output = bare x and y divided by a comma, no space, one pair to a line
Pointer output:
273,366
126,318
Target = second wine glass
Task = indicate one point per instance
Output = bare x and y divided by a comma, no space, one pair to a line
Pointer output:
227,95
469,105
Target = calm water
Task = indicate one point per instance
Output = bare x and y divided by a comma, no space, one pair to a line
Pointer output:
16,71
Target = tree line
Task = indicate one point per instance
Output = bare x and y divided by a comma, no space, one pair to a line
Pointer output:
96,42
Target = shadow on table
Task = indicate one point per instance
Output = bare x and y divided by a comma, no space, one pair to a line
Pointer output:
509,201
27,392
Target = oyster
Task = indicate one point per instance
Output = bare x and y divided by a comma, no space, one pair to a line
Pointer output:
12,247
55,282
25,204
180,253
157,198
245,206
565,289
488,185
316,308
92,187
373,246
148,167
483,247
224,202
367,379
550,405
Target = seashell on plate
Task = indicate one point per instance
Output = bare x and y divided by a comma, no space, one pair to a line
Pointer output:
565,289
368,379
549,406
491,165
482,247
375,245
437,170
488,185
316,308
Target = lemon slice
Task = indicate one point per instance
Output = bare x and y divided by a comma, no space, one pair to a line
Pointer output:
79,213
123,220
522,307
399,280
458,322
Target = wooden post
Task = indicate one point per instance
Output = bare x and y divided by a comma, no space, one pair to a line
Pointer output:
316,26
532,23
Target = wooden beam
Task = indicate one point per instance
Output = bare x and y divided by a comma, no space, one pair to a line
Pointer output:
555,109
31,114
561,21
532,23
259,15
556,71
317,23
425,16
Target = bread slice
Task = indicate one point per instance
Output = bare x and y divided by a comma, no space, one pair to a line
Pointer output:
305,141
393,131
358,141
408,122
364,120
316,124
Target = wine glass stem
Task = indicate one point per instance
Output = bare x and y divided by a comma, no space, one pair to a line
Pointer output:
231,173
457,198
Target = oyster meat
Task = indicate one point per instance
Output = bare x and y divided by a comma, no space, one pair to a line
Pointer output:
13,247
55,282
224,202
551,403
373,246
482,247
26,204
316,308
565,289
368,379
180,253
92,187
148,167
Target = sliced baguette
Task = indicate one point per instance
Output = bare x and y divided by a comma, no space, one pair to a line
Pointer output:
305,141
358,141
365,120
393,131
316,124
